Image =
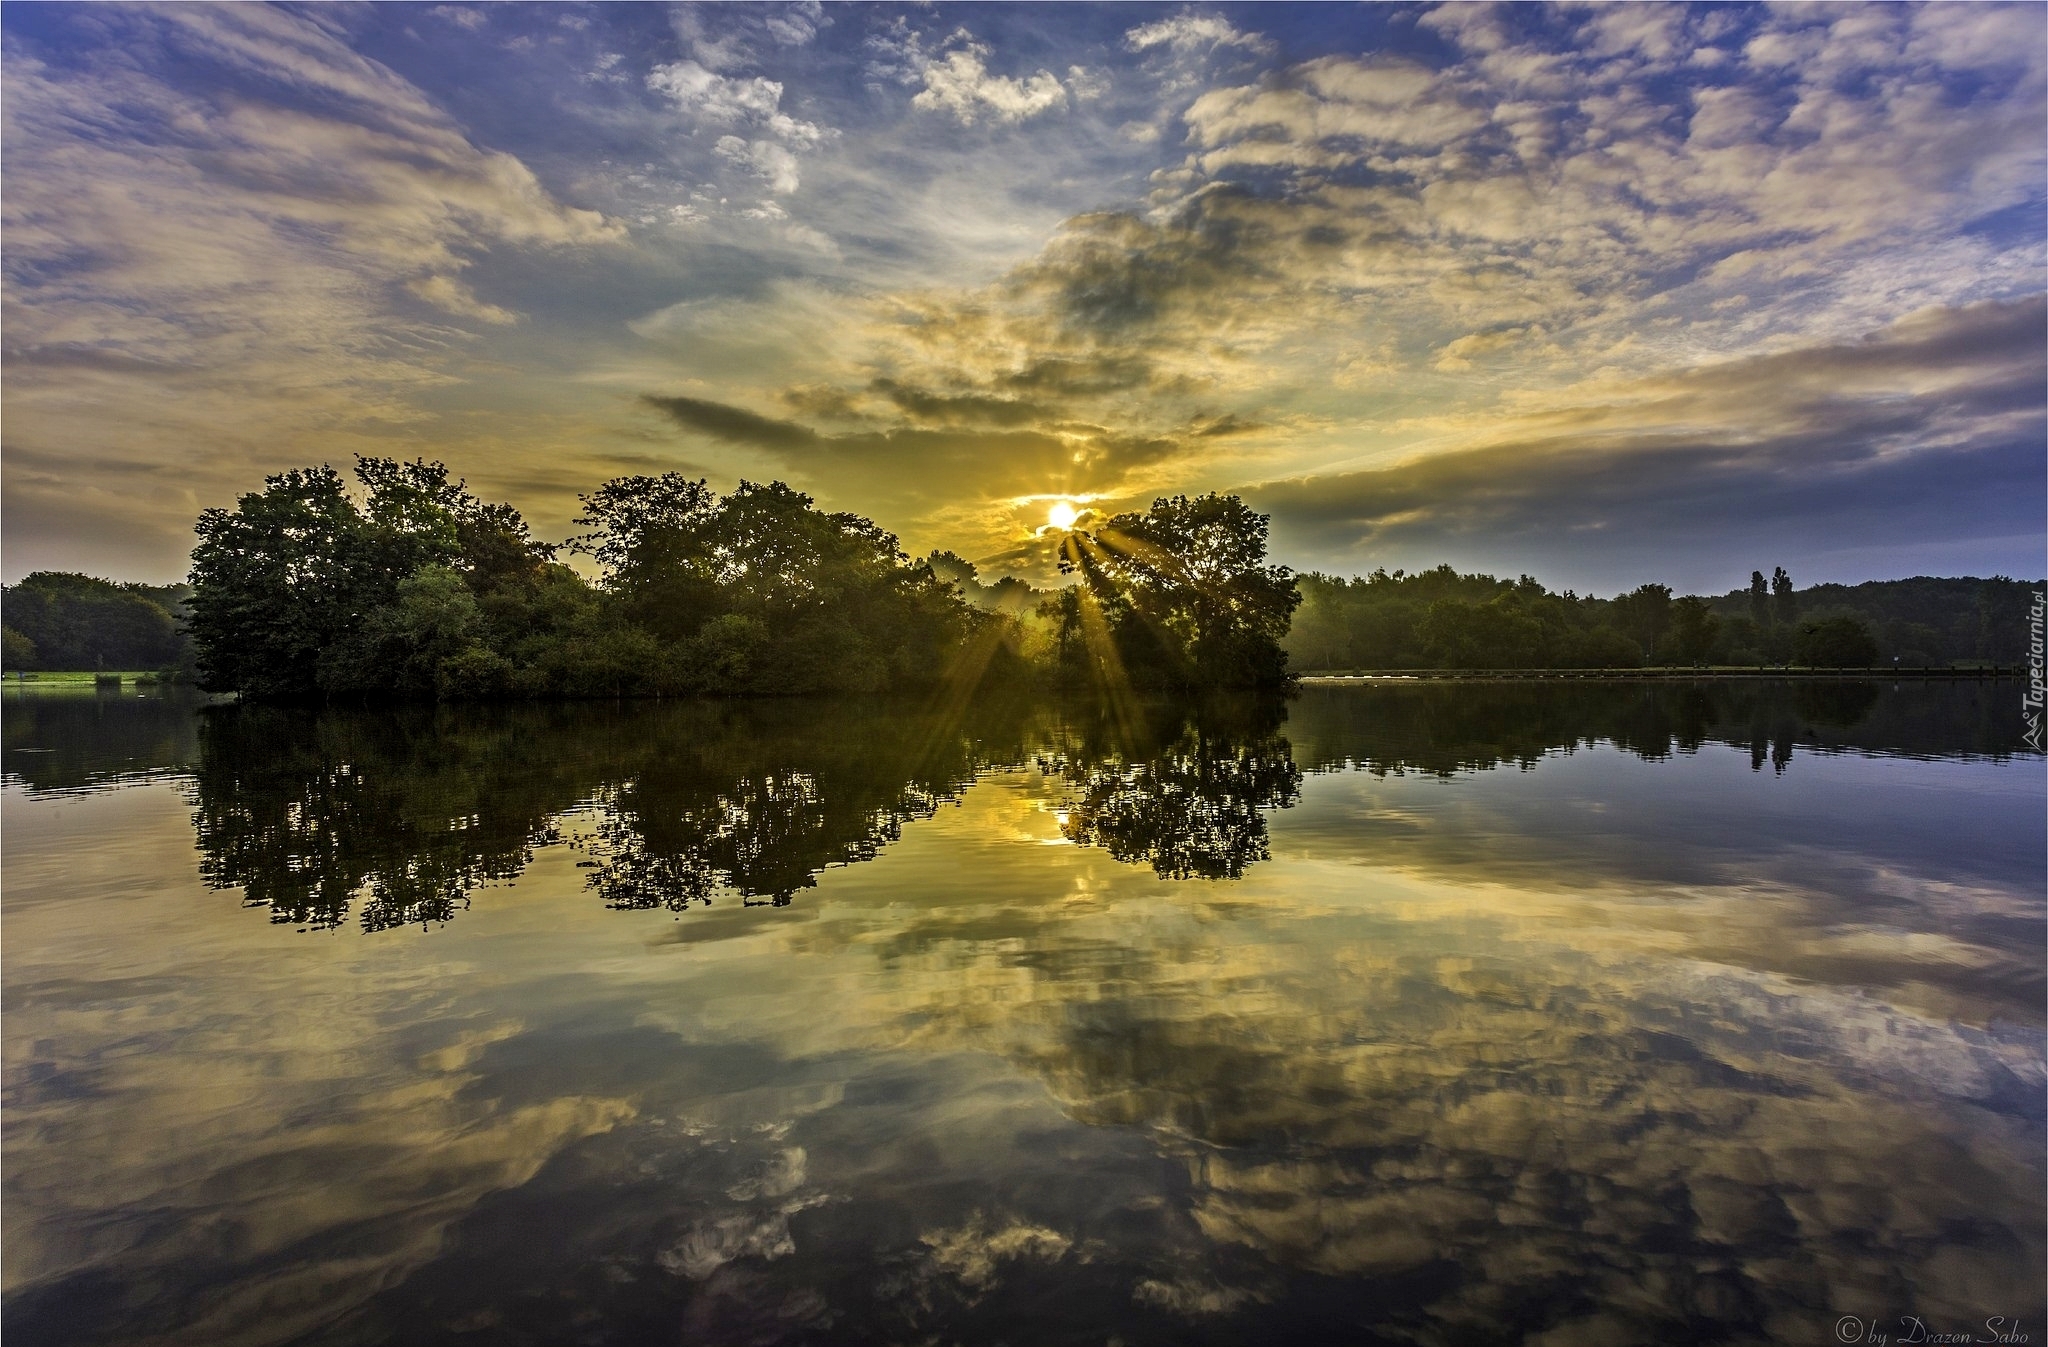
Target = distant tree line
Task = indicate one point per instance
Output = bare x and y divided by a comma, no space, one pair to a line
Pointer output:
404,584
1444,619
62,620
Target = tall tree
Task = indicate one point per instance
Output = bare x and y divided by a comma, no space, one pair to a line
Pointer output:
652,537
1759,600
293,590
277,580
1784,603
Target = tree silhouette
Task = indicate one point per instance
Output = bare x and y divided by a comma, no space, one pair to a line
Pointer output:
1784,603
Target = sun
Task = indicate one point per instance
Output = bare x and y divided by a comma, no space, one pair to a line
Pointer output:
1062,514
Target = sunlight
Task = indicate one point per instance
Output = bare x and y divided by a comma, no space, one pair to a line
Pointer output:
1062,514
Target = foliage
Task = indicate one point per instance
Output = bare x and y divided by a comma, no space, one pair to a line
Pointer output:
59,620
1923,621
1187,795
1178,596
1693,630
1443,619
1841,642
412,587
392,815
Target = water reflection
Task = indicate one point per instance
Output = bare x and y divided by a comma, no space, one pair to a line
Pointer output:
1450,727
84,738
1171,1027
1187,795
398,816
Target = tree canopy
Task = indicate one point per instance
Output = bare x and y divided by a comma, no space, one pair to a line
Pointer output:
408,585
61,620
1179,595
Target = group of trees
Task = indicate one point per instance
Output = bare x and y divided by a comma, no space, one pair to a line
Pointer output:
61,620
410,586
1443,619
405,584
1918,622
419,589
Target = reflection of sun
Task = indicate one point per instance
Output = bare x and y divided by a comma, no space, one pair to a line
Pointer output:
1062,514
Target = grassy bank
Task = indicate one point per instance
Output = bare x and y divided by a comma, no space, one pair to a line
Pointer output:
83,677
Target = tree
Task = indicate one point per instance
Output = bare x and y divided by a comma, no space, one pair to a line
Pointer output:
1185,594
652,537
1694,629
1643,613
1759,600
276,581
76,621
760,591
1497,635
1784,603
1840,642
290,588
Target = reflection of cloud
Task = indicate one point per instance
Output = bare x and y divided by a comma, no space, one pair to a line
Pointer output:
1069,1085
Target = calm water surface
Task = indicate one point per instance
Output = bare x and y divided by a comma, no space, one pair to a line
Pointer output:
1426,1014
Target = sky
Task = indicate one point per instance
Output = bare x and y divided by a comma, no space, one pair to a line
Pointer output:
1600,294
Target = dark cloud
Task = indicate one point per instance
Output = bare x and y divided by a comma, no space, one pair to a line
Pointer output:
922,467
959,409
735,425
1107,373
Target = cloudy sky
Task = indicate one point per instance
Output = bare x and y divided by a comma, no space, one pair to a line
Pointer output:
1602,294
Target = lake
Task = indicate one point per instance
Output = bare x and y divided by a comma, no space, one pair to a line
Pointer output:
1447,1013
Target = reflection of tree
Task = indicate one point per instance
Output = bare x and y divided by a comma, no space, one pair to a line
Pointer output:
1187,795
403,812
1451,726
398,815
81,739
394,817
759,799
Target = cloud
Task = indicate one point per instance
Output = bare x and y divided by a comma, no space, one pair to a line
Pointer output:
1188,33
969,459
765,158
959,83
717,97
462,16
756,100
1930,430
447,293
735,424
247,246
726,37
1593,168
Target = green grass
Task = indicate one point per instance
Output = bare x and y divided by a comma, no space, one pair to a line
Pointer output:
86,676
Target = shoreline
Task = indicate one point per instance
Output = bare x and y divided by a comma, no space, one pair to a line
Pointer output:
1988,674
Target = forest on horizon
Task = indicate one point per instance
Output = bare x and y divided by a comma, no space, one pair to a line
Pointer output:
411,587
